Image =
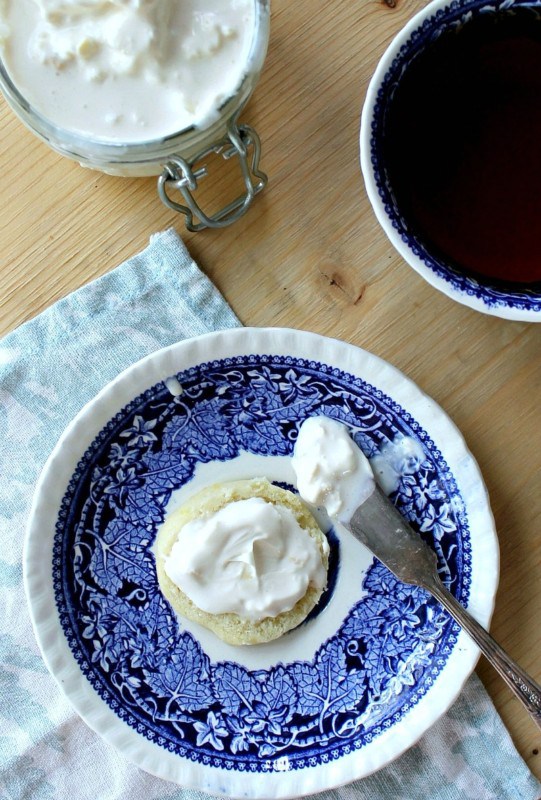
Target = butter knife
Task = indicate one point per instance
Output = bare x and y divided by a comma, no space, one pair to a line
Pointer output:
378,524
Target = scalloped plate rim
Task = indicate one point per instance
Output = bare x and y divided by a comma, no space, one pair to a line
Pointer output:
65,670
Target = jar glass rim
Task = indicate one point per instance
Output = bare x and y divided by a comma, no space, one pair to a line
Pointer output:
78,144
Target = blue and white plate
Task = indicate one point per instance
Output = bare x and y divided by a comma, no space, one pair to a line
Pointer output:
337,698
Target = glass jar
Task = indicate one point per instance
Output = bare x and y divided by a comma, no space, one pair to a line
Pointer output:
178,159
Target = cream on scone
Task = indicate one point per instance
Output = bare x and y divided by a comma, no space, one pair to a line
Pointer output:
245,559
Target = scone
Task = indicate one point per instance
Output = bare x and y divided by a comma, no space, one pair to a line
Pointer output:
249,556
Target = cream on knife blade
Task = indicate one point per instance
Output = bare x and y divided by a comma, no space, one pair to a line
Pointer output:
331,470
327,462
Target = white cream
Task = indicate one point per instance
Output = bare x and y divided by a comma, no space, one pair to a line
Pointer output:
402,456
126,70
174,386
250,558
332,472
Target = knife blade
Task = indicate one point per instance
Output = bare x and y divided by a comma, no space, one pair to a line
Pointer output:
378,524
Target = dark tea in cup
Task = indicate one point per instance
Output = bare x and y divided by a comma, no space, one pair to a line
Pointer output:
454,141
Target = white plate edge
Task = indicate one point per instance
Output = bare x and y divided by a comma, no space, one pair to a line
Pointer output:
277,341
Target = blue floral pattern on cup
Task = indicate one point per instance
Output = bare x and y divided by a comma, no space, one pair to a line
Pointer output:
154,674
446,18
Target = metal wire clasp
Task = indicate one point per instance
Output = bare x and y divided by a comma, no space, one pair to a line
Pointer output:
182,175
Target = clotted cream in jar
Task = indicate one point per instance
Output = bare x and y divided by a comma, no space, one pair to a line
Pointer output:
138,87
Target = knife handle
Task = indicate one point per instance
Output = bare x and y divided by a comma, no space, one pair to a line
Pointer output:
521,684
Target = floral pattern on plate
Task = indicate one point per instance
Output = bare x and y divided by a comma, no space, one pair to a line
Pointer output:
154,674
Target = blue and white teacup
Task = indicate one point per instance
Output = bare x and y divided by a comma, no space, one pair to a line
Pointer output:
507,299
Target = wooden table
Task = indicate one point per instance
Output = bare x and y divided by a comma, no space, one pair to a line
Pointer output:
311,255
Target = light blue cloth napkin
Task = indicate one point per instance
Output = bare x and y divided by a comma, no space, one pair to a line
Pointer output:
49,368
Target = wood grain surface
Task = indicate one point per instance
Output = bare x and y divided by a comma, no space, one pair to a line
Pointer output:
310,255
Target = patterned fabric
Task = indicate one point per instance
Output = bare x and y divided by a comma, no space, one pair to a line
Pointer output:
48,369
